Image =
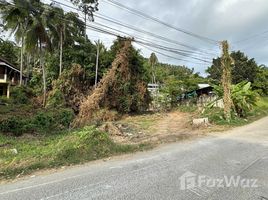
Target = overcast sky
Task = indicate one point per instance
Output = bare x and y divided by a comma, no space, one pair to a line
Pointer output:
232,20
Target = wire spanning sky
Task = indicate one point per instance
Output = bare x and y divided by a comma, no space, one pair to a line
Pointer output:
241,22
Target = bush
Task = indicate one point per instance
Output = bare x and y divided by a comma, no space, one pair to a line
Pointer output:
4,100
45,121
21,95
88,144
13,125
56,99
64,117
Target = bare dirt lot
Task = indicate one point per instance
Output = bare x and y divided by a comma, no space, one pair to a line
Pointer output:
153,128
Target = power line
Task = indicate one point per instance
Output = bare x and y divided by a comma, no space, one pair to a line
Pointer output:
176,51
144,15
109,32
171,50
166,55
103,17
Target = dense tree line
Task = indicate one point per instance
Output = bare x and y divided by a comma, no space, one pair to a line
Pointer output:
244,69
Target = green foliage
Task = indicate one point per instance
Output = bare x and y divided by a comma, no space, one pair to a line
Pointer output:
243,97
45,122
35,82
9,51
4,100
67,148
177,80
245,69
261,81
129,93
13,124
56,99
216,115
173,87
21,95
90,145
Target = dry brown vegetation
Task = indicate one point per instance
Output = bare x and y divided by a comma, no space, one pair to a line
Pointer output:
92,103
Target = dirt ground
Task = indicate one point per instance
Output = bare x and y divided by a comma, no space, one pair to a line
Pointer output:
152,128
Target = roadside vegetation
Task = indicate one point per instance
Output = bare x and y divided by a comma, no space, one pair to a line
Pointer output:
71,110
29,153
216,115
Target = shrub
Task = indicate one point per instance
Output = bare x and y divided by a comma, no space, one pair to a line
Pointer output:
21,95
4,100
13,125
64,117
52,121
56,99
45,121
88,143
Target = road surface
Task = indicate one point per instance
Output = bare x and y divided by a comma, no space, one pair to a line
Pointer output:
228,166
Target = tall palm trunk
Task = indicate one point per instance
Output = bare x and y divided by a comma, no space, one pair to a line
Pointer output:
44,74
61,47
21,58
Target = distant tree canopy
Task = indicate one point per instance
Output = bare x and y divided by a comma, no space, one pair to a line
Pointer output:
9,51
245,69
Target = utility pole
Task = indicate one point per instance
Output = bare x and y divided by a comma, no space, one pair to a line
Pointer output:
226,63
97,62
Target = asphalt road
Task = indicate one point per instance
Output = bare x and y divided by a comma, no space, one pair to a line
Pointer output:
209,162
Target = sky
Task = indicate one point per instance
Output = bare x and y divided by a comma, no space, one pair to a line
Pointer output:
242,22
232,20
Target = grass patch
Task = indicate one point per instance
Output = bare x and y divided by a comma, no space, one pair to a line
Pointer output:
42,152
188,109
144,123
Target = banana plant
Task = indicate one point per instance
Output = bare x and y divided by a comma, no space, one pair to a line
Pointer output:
242,95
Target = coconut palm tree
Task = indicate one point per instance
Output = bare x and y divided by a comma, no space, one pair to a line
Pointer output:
15,17
65,26
37,37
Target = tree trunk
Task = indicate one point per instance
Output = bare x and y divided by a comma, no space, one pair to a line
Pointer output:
21,59
61,45
28,63
226,62
44,75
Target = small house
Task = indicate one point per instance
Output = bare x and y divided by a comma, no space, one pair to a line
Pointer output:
9,76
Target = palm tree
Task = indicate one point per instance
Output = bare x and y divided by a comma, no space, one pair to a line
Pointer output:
64,26
37,37
15,16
